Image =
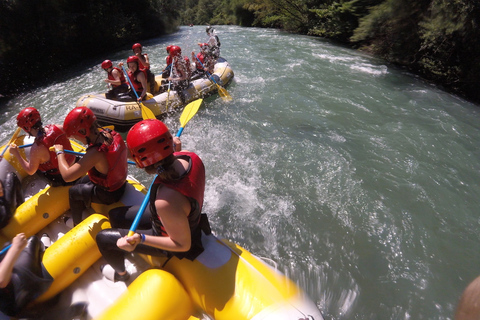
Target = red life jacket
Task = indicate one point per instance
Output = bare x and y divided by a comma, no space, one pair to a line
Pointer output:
122,77
54,135
169,60
200,57
191,185
137,85
116,154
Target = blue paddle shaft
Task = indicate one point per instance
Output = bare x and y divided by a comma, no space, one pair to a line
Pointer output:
129,81
81,154
208,73
5,249
144,204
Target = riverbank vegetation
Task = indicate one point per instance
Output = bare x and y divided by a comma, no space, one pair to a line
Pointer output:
438,39
39,39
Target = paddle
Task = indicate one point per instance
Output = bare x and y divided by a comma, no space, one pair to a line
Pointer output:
169,84
187,114
15,134
81,154
146,113
5,249
221,90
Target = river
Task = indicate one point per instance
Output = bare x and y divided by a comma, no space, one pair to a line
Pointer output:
358,178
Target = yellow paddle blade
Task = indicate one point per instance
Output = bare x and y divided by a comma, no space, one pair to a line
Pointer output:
107,127
224,94
15,135
146,113
189,111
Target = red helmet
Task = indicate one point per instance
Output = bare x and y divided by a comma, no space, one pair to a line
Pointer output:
106,64
78,119
203,46
28,118
149,141
132,59
175,50
168,48
136,45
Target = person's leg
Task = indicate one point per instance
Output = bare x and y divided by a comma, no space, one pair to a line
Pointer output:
123,217
80,197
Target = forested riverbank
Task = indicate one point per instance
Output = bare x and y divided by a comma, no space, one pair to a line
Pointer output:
436,39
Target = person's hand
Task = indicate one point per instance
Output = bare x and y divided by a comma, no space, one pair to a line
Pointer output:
139,99
120,64
129,243
58,148
19,242
177,144
14,149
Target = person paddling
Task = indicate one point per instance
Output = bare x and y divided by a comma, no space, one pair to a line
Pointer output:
105,161
138,79
144,64
181,72
172,223
41,160
203,61
116,79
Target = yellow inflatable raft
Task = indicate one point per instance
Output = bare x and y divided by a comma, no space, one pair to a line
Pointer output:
123,115
224,282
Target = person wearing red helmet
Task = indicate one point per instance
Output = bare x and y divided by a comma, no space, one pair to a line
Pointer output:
172,223
167,69
203,61
115,79
181,72
105,161
144,64
138,78
41,160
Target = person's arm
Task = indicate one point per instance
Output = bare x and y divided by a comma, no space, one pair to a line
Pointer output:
6,266
173,207
91,159
116,75
143,57
37,154
143,80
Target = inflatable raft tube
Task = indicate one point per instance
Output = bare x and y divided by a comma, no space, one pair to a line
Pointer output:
124,114
154,295
71,255
227,282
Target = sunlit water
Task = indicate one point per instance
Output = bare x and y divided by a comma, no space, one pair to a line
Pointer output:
357,178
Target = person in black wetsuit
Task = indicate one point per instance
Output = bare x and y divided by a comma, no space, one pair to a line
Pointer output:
22,276
11,196
172,223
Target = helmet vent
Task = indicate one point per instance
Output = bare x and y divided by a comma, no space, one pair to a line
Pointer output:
141,150
162,140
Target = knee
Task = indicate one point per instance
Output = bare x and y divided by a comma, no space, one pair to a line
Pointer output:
107,239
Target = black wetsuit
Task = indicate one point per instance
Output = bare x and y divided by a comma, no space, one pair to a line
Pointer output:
29,280
12,198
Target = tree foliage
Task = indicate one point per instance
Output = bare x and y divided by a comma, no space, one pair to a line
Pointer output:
436,38
41,37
